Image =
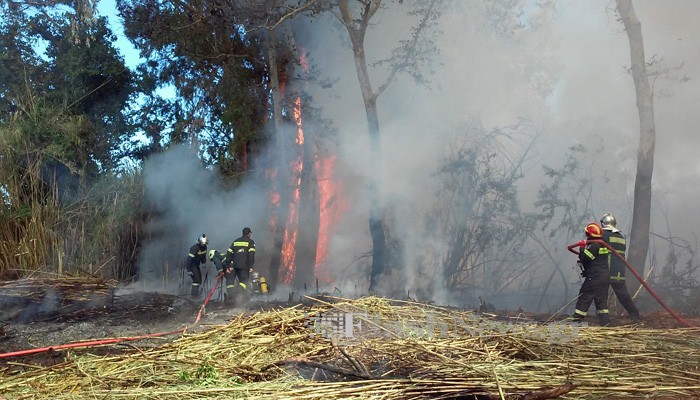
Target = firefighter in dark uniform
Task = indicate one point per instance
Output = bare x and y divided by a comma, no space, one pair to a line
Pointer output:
219,261
240,258
594,260
613,237
196,256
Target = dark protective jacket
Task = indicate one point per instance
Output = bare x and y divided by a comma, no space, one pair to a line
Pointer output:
594,258
196,256
241,254
219,261
617,241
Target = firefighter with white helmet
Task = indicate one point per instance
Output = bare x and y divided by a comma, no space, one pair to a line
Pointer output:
594,258
196,256
615,239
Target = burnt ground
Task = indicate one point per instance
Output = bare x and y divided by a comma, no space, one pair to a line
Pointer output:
28,322
42,318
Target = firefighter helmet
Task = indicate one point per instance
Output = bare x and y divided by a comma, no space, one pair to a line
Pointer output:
247,231
202,240
255,276
607,220
211,254
593,231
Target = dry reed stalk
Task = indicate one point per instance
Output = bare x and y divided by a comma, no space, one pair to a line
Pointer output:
246,357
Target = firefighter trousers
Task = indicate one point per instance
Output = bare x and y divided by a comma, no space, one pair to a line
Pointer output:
236,293
623,296
196,275
594,290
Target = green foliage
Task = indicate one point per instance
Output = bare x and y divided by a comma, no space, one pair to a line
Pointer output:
79,79
61,126
205,374
217,69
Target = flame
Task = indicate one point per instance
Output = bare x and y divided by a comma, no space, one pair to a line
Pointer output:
332,206
330,199
292,225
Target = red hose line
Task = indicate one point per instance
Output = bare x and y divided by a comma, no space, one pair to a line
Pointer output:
85,344
639,278
201,309
102,342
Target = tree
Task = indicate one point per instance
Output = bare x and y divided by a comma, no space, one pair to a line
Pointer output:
639,234
218,71
406,58
63,88
68,102
478,212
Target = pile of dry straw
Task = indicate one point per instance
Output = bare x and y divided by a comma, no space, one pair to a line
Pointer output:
373,348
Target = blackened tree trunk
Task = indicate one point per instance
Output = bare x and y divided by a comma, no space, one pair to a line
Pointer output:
639,235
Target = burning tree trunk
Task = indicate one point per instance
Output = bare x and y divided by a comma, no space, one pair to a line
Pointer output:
309,211
309,208
279,175
639,234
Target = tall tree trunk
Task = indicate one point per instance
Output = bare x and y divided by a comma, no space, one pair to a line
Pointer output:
280,179
309,216
376,212
639,235
376,209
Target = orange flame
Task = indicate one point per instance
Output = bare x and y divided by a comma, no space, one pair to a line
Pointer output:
292,226
332,206
330,200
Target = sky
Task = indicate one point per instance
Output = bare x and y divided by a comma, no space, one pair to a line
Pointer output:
565,73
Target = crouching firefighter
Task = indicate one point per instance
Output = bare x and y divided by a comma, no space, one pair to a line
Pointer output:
240,258
219,261
594,261
196,256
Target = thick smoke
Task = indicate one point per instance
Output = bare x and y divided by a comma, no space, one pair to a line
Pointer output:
561,66
188,201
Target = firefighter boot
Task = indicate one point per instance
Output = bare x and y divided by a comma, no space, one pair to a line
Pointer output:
194,292
604,319
229,297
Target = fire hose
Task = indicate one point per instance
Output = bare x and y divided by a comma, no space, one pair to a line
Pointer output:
103,342
636,275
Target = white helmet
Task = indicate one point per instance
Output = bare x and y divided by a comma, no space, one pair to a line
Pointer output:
202,240
255,276
607,220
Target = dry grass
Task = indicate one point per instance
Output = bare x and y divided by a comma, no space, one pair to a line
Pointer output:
402,351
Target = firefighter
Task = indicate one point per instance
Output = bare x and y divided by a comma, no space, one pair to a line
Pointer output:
613,237
240,258
197,256
219,261
259,284
594,259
